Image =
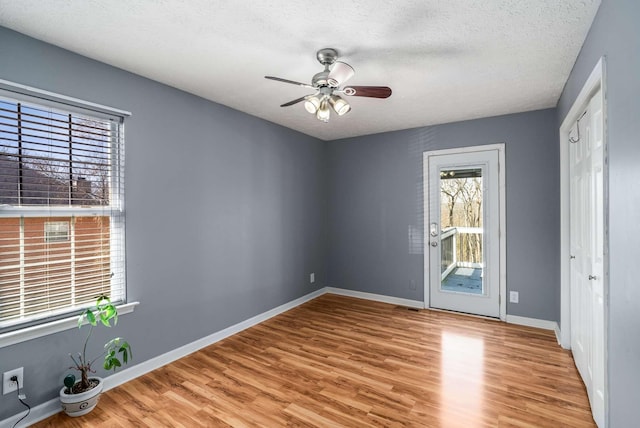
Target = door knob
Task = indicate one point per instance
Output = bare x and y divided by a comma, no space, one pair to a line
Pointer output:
592,277
434,243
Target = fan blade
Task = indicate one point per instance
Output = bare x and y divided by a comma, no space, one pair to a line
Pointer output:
340,73
368,91
279,79
296,101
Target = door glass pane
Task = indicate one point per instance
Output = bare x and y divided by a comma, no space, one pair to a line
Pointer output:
461,230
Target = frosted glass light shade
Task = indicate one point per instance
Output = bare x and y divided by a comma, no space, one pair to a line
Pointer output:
323,113
340,73
312,104
339,105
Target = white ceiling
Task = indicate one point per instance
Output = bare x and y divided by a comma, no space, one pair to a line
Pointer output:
446,60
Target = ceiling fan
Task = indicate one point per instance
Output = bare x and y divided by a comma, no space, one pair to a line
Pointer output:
327,86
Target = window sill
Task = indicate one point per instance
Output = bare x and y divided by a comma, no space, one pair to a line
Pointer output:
33,332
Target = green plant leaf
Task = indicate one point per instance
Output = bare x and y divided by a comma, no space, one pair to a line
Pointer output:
110,311
111,362
107,312
124,350
113,343
104,320
90,317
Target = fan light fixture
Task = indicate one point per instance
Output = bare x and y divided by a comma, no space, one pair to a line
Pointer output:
328,83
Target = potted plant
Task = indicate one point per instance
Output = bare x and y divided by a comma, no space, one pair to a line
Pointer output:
79,398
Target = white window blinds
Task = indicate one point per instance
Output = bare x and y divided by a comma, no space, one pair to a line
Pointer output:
61,209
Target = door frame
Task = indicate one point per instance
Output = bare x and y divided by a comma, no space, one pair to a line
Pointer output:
595,81
502,274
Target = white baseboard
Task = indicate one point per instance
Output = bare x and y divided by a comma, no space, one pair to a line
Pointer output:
559,338
375,297
51,407
38,413
533,322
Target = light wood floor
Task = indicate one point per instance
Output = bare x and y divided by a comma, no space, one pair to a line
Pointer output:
339,361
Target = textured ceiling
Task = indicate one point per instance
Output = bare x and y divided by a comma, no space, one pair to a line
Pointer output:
445,60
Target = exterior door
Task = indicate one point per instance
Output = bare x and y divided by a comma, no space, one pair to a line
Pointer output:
586,154
462,232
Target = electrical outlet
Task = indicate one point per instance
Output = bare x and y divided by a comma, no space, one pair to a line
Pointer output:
312,278
514,297
8,385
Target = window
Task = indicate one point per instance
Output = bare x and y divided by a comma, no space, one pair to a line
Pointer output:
61,207
56,231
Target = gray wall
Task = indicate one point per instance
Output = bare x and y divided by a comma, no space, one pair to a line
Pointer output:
376,208
615,33
224,212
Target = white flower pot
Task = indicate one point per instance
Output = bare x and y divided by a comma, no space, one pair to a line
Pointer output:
81,404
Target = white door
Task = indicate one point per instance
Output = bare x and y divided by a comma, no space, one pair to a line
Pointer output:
586,155
462,232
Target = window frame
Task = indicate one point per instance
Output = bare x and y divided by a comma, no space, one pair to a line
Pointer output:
14,92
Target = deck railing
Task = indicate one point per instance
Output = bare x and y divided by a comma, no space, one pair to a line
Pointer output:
460,247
